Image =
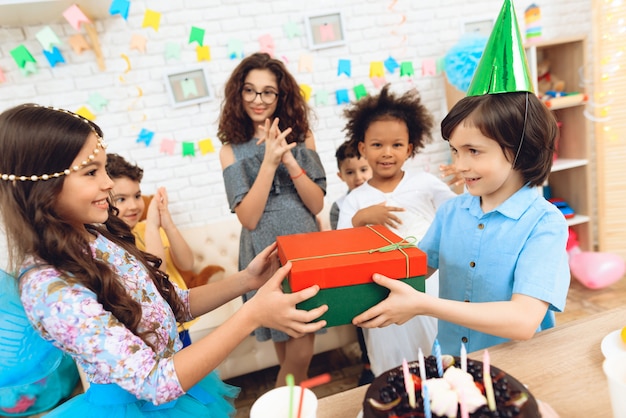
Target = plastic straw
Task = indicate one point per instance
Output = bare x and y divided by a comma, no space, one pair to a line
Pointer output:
309,383
290,383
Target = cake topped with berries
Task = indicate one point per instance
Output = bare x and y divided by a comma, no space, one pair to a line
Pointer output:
387,396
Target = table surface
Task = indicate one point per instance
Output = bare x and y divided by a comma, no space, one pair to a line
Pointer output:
561,366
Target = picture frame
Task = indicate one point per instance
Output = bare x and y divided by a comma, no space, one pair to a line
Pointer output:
325,29
188,86
481,27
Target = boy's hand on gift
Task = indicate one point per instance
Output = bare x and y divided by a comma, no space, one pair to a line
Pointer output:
400,306
274,309
379,214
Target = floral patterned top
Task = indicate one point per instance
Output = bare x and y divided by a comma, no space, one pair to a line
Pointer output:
70,316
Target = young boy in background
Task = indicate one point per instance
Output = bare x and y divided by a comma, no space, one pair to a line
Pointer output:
157,234
354,171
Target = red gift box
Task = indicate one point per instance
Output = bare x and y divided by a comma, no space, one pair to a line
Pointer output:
348,257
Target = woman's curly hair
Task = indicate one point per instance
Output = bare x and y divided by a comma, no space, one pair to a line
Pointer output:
236,127
407,108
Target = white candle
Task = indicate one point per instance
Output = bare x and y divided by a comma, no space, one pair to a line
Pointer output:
463,357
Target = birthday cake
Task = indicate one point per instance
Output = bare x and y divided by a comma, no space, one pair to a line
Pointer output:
387,395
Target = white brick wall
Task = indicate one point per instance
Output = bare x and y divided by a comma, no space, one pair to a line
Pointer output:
373,32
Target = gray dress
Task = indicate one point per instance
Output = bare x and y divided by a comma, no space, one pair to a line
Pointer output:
284,213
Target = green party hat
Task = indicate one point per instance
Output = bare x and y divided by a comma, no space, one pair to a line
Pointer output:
503,67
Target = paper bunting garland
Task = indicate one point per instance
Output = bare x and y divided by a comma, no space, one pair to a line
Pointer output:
291,30
167,146
266,44
406,69
377,69
96,101
429,67
306,91
86,113
145,136
206,146
391,65
75,16
47,38
235,49
189,149
120,7
360,91
54,57
305,63
172,51
344,67
203,53
342,96
22,56
321,97
138,43
29,68
151,19
196,35
78,43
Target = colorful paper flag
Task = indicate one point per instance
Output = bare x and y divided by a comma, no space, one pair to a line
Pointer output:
54,57
305,63
377,69
203,53
78,43
391,65
429,67
321,97
306,91
266,44
189,149
167,146
145,136
47,38
86,113
344,67
22,56
75,16
406,69
172,50
235,49
138,42
97,101
151,19
359,91
120,7
342,96
206,146
196,35
291,30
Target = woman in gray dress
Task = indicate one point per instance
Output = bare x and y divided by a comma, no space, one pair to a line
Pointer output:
274,179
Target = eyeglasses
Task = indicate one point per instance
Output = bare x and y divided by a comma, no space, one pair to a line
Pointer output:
267,96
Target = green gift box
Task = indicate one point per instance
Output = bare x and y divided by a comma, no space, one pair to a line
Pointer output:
342,262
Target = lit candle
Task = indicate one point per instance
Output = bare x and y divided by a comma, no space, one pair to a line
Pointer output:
437,349
426,396
491,400
409,385
422,365
463,358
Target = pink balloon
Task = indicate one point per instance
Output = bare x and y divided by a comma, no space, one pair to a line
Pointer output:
597,270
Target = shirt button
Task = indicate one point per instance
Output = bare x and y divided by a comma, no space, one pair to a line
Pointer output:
464,339
472,264
481,226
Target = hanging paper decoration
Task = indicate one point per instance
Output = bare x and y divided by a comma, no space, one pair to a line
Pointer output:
378,81
376,69
29,68
342,96
360,91
78,43
151,19
305,63
145,136
86,113
206,146
203,53
266,44
167,146
47,38
120,7
391,64
306,91
172,51
429,67
321,97
75,16
22,56
344,67
138,42
196,35
532,18
54,57
406,69
189,149
235,49
97,101
291,30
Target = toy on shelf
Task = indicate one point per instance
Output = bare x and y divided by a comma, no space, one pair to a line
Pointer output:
594,270
548,82
563,206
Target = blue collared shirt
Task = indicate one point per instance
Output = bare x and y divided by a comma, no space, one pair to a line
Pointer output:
519,247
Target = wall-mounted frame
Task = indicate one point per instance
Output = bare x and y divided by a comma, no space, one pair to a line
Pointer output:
325,29
478,27
188,86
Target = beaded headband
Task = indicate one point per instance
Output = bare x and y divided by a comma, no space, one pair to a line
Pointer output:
101,145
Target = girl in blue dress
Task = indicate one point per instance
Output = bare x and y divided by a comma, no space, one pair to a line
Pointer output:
89,290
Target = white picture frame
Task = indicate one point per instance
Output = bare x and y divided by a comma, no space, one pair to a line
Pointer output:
188,86
480,27
325,29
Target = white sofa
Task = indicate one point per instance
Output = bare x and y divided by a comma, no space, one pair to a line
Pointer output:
218,244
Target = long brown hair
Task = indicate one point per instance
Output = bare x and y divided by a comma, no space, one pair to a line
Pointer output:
35,141
236,127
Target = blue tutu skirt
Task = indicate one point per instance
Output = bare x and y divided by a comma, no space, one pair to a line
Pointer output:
209,398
